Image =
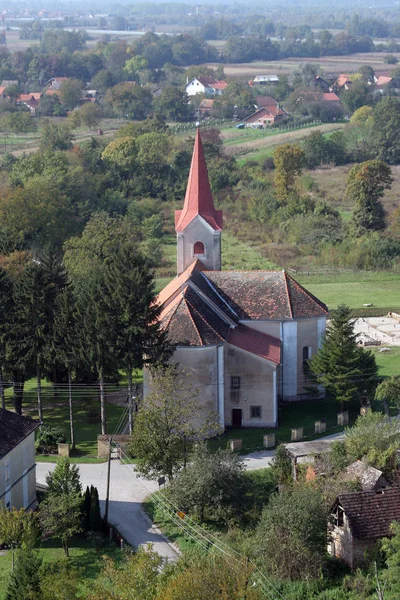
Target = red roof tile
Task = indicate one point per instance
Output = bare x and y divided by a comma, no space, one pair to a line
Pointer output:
198,198
370,514
256,342
331,97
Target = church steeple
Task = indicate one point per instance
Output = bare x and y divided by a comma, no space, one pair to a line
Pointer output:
198,225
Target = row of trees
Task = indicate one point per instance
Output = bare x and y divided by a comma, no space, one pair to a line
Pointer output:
94,320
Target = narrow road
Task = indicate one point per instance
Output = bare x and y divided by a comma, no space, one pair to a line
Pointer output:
127,492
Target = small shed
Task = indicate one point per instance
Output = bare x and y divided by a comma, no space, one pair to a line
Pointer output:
359,520
305,452
368,477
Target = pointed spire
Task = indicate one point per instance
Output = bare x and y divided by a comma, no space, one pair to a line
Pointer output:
198,199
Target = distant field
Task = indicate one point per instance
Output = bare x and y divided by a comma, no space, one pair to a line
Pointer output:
263,146
354,289
388,362
332,182
329,64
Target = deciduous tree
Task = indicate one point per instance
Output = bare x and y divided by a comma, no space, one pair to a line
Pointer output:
289,162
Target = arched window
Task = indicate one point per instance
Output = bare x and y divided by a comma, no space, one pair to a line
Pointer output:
198,248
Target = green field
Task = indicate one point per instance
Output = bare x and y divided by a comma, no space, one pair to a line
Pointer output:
84,557
382,289
388,362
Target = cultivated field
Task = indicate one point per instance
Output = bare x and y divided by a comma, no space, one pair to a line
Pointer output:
328,64
266,141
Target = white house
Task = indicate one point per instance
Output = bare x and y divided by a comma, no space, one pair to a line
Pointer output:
205,85
17,460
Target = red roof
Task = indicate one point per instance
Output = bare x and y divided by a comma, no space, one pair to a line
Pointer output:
2,89
331,97
254,341
383,80
198,199
50,92
29,97
220,85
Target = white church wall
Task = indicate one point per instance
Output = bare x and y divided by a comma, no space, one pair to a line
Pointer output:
272,328
199,231
256,387
289,359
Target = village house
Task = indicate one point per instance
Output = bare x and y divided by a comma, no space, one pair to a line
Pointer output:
17,460
242,337
31,101
205,85
264,80
366,476
359,520
342,83
265,117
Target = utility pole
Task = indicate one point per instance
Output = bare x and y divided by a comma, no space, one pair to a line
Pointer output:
108,480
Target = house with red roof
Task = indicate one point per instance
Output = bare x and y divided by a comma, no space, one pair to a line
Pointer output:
243,337
205,85
265,116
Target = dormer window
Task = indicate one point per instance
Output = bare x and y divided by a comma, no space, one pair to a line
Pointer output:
198,249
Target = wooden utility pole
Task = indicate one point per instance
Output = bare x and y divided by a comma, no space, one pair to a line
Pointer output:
108,480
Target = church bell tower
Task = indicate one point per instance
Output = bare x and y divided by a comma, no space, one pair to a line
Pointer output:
198,225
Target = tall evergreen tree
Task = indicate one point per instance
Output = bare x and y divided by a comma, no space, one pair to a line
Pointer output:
344,369
67,342
129,297
25,579
86,508
6,312
95,522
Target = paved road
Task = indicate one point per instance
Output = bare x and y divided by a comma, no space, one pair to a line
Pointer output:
127,492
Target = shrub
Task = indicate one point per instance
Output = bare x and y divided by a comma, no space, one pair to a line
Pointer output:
47,439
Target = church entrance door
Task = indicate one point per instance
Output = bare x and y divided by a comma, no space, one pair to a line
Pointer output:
236,417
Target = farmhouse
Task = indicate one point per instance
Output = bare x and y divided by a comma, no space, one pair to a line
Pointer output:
265,116
205,85
359,520
242,336
17,460
264,80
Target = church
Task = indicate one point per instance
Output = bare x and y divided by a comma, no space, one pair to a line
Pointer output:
243,337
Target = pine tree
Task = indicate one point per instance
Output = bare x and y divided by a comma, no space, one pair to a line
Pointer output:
6,321
25,579
67,342
129,286
345,370
95,521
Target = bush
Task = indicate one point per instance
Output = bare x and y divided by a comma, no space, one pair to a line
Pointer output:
47,439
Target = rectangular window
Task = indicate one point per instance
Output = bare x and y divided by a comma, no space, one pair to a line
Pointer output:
235,383
255,412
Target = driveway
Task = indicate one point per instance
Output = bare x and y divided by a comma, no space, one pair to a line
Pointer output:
127,492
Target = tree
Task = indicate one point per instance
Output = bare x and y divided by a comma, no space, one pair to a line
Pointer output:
129,299
366,184
71,93
389,391
56,137
359,94
135,65
6,324
172,104
212,481
88,115
345,370
24,582
359,134
121,155
135,577
61,517
64,480
129,100
34,297
386,125
67,342
290,540
288,161
168,423
95,520
17,122
58,581
376,437
18,529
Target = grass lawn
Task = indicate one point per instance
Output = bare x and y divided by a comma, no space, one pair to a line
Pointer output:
86,411
388,362
84,557
382,289
291,415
